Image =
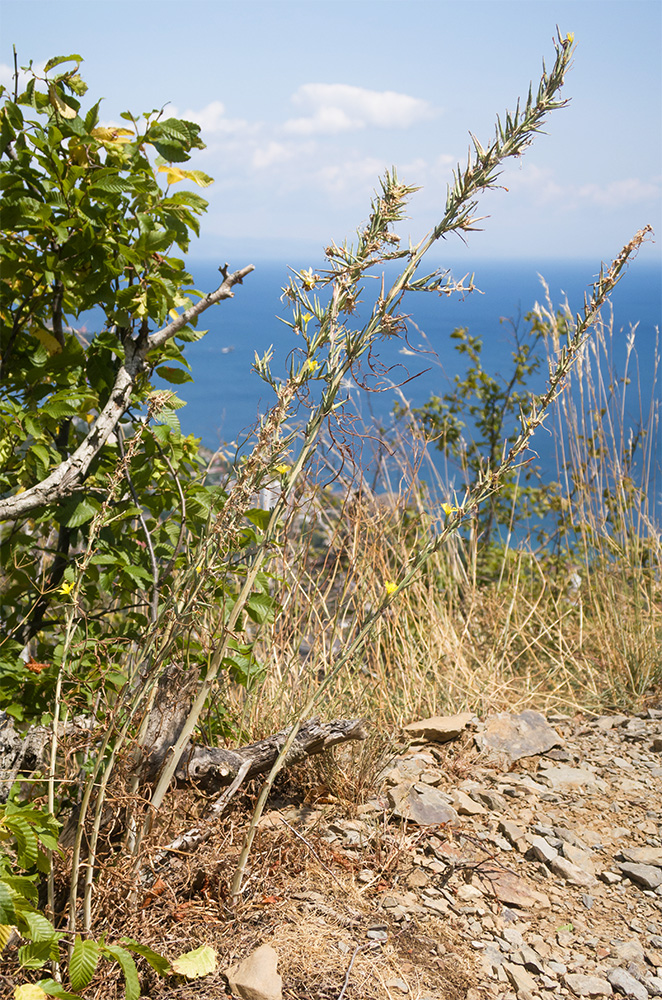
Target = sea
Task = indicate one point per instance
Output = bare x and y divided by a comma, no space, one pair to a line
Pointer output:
226,395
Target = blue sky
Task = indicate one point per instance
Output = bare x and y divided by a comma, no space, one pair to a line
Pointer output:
304,105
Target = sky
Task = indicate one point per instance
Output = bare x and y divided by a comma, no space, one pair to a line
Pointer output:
305,104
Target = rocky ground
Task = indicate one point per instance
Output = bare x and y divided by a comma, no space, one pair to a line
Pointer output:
516,858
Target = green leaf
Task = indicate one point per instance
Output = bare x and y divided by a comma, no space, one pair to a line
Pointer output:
158,962
26,841
197,963
260,608
83,964
41,930
260,518
176,376
7,911
128,967
53,989
78,512
58,60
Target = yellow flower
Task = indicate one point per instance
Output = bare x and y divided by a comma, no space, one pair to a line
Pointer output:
313,365
66,588
309,279
448,509
283,469
390,587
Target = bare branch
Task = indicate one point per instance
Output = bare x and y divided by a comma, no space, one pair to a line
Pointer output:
68,476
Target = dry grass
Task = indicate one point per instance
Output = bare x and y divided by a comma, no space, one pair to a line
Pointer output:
573,624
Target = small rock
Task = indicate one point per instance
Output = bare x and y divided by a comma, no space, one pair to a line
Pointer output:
571,873
587,986
515,834
579,857
465,805
610,878
397,984
513,891
629,951
542,849
492,800
439,728
563,779
256,977
421,804
644,875
519,977
418,879
643,855
623,982
516,736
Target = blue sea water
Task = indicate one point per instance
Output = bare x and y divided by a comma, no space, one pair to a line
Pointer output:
226,395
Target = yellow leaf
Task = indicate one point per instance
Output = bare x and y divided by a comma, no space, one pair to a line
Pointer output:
176,174
6,931
52,345
200,178
195,964
173,174
112,134
63,109
29,991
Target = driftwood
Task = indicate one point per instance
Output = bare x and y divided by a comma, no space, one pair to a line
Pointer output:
207,768
212,768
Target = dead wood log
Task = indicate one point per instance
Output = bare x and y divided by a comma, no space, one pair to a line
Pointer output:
204,767
212,768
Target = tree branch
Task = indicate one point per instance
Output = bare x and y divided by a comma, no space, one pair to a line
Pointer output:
68,476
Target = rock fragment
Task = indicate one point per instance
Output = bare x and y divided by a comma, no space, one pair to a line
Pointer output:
623,982
587,986
256,977
421,804
439,728
516,736
647,876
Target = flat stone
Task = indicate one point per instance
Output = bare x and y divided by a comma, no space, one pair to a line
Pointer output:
646,876
571,873
421,804
519,977
516,736
256,978
607,722
578,857
610,878
623,982
439,728
493,800
587,986
654,985
465,805
542,850
512,890
643,855
514,834
563,779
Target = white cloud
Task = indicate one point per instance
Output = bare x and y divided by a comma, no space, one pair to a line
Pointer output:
273,153
618,193
358,176
339,107
212,119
